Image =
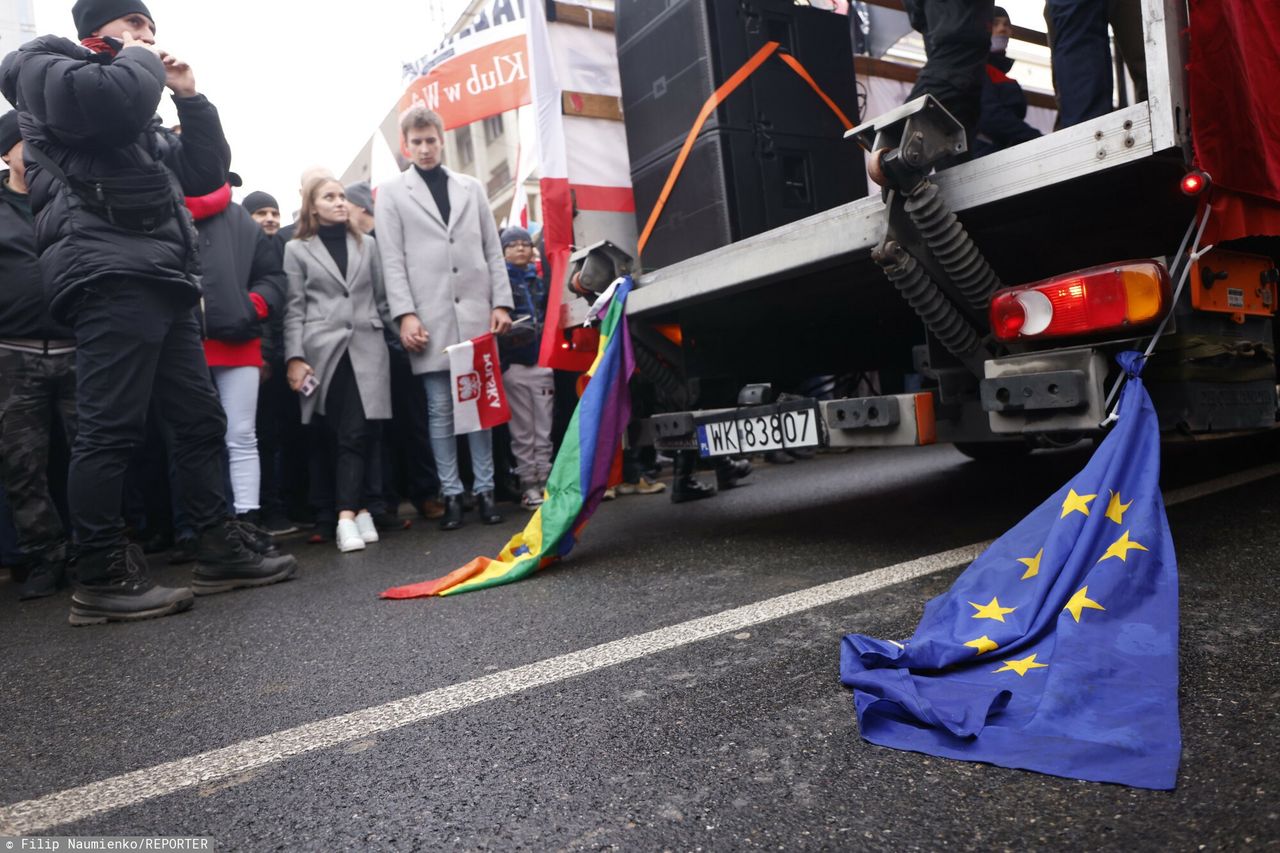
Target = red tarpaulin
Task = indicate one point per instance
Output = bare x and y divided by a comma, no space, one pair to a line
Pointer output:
1235,113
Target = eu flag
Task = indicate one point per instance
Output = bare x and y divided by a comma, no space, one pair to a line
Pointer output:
1057,649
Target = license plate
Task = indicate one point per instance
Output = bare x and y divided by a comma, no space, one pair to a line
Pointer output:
760,433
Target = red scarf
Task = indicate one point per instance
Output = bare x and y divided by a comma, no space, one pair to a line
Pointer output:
97,45
204,206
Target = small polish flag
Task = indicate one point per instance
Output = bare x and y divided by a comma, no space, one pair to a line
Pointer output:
479,400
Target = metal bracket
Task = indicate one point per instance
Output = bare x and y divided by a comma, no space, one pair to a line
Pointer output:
1057,389
864,413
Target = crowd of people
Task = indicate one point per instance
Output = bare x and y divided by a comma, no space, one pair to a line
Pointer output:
211,379
180,373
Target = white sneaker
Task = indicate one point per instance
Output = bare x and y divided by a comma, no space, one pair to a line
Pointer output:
348,536
532,498
368,531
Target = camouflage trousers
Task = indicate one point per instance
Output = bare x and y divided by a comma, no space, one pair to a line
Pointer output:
36,392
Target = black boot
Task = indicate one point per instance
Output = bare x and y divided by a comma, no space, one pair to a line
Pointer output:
730,471
488,512
452,518
224,562
245,525
47,576
113,586
686,486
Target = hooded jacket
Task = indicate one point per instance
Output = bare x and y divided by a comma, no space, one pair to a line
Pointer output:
1002,122
94,116
237,262
24,311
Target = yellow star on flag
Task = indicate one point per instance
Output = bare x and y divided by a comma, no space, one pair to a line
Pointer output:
1115,509
992,610
1021,666
1121,548
1032,564
983,644
1076,503
1080,602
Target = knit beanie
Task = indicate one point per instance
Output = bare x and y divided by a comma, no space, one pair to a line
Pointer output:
515,234
89,15
360,195
999,12
255,201
9,133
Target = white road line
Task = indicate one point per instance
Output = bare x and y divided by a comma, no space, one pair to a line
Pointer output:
35,816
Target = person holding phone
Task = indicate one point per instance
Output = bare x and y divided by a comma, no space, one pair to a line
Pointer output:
118,254
337,358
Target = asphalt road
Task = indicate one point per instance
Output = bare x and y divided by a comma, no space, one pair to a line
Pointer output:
742,740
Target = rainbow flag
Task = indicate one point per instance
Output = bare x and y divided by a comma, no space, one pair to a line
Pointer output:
579,474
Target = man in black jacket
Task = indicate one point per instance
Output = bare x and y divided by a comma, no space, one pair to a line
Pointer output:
37,379
118,257
1003,120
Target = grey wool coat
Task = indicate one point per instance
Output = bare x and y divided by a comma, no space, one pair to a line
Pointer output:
452,276
329,313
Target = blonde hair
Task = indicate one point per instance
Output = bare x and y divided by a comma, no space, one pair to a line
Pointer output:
308,224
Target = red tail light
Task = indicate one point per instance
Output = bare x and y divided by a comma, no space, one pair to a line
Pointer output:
1088,302
1194,182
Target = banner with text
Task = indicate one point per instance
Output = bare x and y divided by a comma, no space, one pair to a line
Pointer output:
475,77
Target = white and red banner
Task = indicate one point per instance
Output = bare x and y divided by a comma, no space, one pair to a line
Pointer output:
479,399
479,74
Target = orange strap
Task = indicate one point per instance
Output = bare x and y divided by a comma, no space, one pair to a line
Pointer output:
813,84
739,77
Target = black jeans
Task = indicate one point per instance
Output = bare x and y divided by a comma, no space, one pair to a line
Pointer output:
33,389
352,437
138,341
408,462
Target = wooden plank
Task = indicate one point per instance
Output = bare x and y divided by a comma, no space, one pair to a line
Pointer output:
591,106
581,16
865,67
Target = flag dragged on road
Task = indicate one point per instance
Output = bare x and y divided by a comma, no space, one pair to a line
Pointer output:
1057,649
579,474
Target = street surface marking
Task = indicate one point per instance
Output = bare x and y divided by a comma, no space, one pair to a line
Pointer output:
35,816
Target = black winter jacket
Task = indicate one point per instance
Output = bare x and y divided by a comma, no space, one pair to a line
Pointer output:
1002,122
24,310
95,117
237,259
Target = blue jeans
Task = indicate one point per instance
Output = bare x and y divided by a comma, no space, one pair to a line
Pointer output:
444,445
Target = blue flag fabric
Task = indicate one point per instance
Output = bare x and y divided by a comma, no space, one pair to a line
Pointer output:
1057,649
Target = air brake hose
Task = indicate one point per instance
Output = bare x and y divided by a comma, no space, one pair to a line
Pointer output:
940,316
952,246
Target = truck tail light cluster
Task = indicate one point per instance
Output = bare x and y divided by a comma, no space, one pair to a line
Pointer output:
1087,302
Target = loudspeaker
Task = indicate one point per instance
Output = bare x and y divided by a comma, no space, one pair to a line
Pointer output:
737,183
673,54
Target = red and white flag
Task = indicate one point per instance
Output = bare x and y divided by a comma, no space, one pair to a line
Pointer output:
479,400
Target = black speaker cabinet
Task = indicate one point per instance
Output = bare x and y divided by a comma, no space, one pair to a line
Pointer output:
737,183
673,54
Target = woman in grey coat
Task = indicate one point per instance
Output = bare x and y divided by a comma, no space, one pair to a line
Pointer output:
337,357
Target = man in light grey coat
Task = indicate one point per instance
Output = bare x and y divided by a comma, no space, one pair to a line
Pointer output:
446,283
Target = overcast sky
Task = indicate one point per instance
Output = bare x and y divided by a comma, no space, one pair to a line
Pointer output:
296,82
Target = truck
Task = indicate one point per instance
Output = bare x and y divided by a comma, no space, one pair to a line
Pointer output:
981,303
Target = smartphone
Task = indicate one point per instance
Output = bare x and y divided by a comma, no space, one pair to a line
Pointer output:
113,43
309,385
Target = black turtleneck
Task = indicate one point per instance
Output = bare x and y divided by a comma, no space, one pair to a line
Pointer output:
438,182
334,238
